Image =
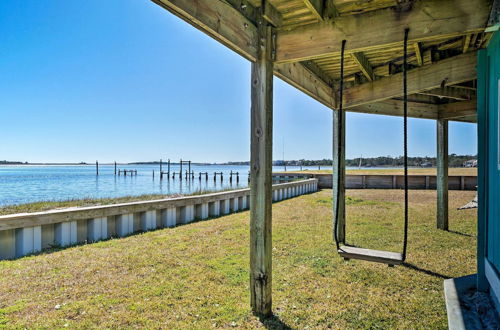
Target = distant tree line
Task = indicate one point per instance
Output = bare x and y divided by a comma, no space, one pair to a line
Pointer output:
387,161
8,162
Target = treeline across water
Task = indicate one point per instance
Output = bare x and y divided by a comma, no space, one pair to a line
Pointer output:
454,160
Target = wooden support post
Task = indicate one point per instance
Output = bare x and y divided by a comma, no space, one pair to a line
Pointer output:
96,167
261,172
442,174
339,166
115,168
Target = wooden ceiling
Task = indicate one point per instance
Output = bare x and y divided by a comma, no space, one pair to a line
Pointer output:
309,35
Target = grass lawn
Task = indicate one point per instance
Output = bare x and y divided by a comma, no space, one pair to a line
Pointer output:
196,275
411,171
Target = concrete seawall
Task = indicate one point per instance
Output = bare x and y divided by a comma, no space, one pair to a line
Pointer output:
27,233
381,181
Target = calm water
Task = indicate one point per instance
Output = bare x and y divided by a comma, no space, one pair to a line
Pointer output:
25,184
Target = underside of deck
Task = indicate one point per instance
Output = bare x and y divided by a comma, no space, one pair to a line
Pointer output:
307,34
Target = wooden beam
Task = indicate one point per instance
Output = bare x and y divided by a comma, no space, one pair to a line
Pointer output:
318,72
450,71
306,81
457,110
261,159
466,119
418,53
316,8
395,108
363,64
271,14
219,20
429,19
466,43
330,11
419,98
442,174
246,9
458,94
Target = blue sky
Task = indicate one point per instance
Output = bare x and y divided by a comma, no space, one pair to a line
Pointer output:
125,80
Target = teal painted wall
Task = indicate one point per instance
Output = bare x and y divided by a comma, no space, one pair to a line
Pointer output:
489,156
482,137
493,224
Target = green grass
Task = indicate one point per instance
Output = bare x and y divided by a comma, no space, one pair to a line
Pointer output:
196,276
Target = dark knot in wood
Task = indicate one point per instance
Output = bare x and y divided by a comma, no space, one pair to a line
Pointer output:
261,278
258,132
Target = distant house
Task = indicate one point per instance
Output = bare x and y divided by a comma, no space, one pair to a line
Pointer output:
470,163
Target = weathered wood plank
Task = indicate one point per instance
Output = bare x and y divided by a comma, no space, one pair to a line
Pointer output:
386,257
316,8
450,71
271,15
442,174
466,119
458,94
306,81
457,110
466,43
364,65
395,108
261,175
383,28
418,53
219,20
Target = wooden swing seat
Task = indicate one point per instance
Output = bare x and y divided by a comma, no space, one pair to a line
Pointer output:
385,257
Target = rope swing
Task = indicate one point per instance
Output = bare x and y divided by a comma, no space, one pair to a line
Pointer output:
349,252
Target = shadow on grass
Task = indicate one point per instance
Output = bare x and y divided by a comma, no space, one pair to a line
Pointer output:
461,234
425,271
274,322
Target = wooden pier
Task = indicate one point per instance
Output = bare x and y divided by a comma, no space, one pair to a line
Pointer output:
220,174
129,172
